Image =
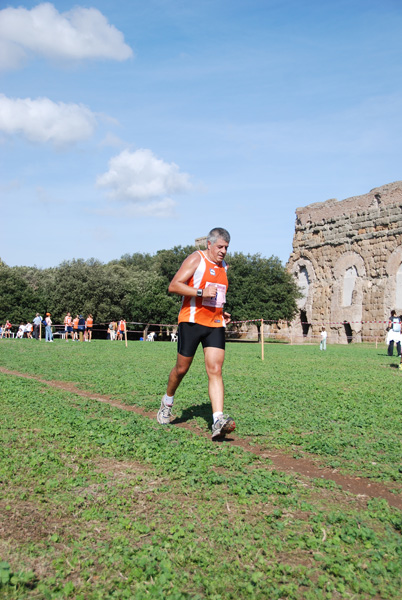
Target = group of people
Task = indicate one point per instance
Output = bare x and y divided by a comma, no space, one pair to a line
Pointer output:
78,328
117,330
25,330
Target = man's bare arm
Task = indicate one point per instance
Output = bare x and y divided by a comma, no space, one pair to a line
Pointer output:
178,284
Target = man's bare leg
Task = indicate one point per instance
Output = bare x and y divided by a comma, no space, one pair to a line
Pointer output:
214,358
181,367
222,424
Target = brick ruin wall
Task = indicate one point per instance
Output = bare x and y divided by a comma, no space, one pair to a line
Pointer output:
347,258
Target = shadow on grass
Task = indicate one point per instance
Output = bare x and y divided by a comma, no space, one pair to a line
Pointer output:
203,411
199,410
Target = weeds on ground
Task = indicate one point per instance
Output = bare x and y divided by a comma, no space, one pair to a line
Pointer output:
98,503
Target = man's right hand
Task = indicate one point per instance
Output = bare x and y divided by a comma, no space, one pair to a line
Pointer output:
210,291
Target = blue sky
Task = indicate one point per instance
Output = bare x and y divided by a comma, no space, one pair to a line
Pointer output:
133,126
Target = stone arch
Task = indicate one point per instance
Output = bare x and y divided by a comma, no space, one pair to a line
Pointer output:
349,282
304,271
347,296
305,275
393,284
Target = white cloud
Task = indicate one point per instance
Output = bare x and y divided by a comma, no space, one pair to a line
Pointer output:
77,34
42,120
11,55
144,181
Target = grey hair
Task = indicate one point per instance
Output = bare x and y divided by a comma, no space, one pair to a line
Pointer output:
218,233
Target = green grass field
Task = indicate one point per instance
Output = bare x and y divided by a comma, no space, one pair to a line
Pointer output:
99,502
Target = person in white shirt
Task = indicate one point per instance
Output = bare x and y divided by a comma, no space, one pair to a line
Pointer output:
324,335
394,334
48,331
36,326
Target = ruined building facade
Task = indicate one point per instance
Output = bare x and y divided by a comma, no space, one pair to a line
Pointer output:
347,259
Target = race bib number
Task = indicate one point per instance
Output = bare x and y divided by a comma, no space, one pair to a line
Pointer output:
220,298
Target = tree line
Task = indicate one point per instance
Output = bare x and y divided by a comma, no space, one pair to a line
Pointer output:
134,287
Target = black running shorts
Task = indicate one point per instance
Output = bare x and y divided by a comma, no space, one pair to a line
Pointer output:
191,334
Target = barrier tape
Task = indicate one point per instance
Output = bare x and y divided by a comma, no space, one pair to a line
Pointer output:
309,323
245,321
270,321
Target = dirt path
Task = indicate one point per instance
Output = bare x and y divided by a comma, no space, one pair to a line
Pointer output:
359,486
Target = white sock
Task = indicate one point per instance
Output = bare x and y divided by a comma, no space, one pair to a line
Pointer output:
216,416
168,400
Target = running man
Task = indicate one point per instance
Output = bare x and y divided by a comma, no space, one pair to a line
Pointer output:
202,281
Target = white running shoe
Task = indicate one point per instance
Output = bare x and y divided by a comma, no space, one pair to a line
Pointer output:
164,413
222,426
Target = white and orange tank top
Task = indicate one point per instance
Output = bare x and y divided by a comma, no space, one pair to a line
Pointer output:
206,311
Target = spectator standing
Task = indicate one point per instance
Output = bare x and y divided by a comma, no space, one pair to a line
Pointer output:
89,326
121,329
68,326
36,326
48,328
81,327
323,342
75,327
394,334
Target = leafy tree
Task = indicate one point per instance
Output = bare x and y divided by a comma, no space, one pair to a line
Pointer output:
18,301
136,288
147,299
83,287
168,262
137,260
260,288
42,282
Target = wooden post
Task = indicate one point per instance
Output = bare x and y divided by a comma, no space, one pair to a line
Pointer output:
262,339
125,333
